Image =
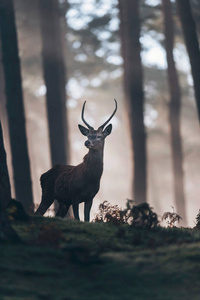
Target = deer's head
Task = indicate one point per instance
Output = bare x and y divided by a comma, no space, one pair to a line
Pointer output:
96,137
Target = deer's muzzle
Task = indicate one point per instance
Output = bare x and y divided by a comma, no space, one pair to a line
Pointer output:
89,144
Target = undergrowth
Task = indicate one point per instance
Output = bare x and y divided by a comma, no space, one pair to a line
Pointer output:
140,215
123,255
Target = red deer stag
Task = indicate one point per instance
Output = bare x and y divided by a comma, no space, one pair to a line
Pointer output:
71,185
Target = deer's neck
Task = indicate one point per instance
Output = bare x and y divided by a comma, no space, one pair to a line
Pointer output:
93,161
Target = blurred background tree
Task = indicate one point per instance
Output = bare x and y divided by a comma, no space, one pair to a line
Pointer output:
192,44
133,87
55,79
15,106
174,111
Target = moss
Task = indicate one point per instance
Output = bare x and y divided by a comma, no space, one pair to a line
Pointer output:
99,261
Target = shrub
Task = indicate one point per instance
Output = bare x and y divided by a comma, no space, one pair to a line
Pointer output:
134,215
171,218
110,214
198,220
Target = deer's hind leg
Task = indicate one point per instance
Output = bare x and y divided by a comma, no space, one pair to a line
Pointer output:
63,209
44,205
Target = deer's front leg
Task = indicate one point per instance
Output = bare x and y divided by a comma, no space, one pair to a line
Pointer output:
76,210
87,209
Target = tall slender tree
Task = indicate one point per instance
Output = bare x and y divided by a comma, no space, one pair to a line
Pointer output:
15,107
174,111
192,44
133,86
7,234
55,79
5,191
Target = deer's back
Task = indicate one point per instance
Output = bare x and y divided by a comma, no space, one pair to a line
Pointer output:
49,178
69,182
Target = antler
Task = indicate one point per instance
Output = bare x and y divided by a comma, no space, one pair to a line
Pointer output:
82,115
104,124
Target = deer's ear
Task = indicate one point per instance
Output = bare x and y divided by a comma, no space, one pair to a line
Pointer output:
107,130
83,130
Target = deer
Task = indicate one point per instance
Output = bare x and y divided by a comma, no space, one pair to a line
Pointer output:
72,185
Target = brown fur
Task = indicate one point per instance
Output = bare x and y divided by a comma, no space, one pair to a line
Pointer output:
71,185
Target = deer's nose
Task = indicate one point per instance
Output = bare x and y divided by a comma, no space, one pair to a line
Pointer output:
88,143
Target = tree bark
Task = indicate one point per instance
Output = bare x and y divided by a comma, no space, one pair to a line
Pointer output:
7,234
133,86
174,112
192,45
5,192
55,81
15,107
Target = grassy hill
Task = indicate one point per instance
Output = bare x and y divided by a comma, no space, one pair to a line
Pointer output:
63,259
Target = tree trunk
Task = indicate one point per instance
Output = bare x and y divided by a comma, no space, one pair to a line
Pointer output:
7,234
5,193
133,86
15,108
192,44
54,76
174,112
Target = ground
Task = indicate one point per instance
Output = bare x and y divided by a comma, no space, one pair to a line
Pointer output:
64,259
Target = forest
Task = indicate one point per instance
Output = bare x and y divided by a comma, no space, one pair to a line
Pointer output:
145,218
